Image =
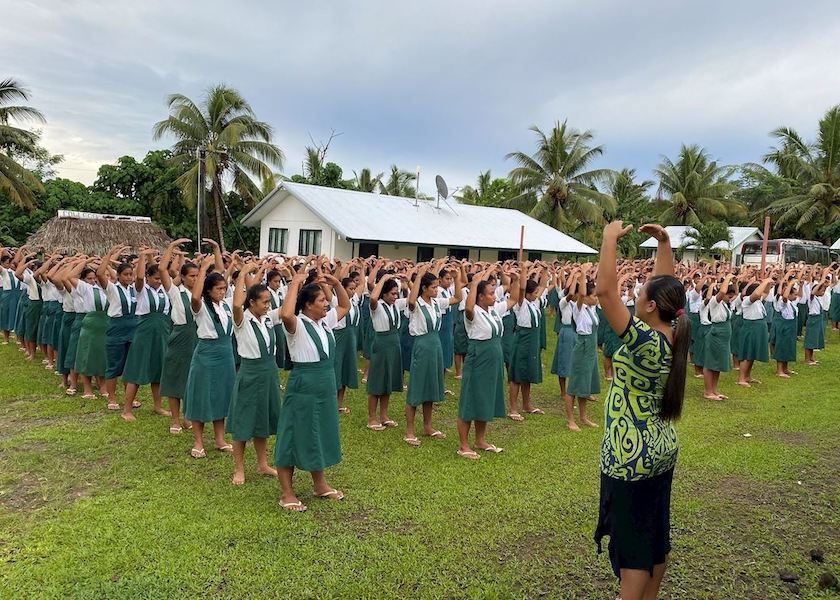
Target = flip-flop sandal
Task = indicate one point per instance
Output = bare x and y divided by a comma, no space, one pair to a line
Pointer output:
344,410
411,441
331,495
389,423
493,449
196,453
293,506
225,448
468,454
70,391
89,396
113,406
175,430
459,377
516,417
437,435
754,381
364,379
536,411
377,427
448,393
743,384
136,404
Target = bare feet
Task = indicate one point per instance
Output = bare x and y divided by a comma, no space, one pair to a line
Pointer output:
292,504
162,412
128,416
238,478
266,470
783,375
572,426
743,383
589,423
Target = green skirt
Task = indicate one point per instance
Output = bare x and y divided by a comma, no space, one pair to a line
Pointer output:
737,325
73,342
307,427
176,365
447,340
509,322
280,349
45,323
611,342
118,343
603,326
33,318
815,332
368,335
754,340
699,345
584,379
784,350
210,381
834,307
543,331
6,297
801,317
385,374
525,365
255,405
90,350
20,317
426,381
67,320
406,345
561,363
777,316
460,341
717,349
483,385
694,319
144,363
345,358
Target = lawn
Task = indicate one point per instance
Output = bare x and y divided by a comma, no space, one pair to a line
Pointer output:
92,507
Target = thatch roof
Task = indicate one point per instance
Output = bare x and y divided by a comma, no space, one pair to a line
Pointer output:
96,234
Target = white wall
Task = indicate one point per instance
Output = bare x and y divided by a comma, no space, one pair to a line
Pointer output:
292,215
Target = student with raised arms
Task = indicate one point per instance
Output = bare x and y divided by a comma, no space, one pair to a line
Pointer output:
754,335
90,300
584,380
122,320
483,388
815,322
716,342
786,305
307,429
639,448
345,330
525,360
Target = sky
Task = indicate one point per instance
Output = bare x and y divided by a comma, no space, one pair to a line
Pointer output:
451,87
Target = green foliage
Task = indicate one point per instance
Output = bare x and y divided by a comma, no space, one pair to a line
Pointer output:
488,191
365,181
17,182
557,185
696,189
398,183
705,235
634,206
814,170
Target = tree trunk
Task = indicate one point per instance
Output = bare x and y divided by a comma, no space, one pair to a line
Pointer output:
217,209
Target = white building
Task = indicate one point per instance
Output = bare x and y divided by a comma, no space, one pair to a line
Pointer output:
678,234
836,245
305,219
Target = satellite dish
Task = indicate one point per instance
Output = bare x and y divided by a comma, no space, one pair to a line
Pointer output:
441,187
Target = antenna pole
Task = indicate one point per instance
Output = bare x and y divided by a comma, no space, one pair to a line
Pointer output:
417,186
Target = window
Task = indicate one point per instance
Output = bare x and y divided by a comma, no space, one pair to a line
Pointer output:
277,240
507,255
459,253
367,249
310,242
425,253
532,256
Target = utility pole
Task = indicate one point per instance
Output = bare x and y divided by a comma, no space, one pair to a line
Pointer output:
200,209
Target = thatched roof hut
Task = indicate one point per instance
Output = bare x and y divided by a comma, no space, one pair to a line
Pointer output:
94,233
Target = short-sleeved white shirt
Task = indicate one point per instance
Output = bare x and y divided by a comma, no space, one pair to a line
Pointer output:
718,311
159,297
481,327
83,297
301,347
352,316
177,311
586,319
564,307
446,293
753,311
379,316
786,308
417,320
115,309
695,299
527,313
67,303
204,321
31,285
247,344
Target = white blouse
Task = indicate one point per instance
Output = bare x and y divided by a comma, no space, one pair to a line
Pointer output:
753,311
806,293
486,322
417,320
83,297
586,319
67,304
704,314
695,298
786,308
353,316
177,311
32,287
379,316
159,298
527,313
204,321
115,309
718,311
815,306
301,347
247,344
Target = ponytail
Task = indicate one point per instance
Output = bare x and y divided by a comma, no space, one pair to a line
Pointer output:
669,295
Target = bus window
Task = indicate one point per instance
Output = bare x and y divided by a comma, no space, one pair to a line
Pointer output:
795,253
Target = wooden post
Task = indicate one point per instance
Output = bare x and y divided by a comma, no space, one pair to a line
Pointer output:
764,245
521,242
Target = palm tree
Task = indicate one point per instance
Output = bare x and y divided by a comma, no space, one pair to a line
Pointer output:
556,184
365,181
480,193
399,183
633,205
704,236
15,180
238,146
815,170
695,189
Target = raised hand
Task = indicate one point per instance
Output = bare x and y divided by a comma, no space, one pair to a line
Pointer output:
656,231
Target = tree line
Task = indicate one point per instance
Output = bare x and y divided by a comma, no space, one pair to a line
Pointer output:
797,183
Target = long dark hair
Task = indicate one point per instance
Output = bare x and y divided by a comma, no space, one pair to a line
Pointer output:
187,267
307,295
254,293
211,281
427,280
123,267
669,294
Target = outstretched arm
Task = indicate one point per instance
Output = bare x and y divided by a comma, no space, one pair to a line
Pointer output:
607,283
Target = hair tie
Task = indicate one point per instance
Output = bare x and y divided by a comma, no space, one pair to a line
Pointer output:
680,312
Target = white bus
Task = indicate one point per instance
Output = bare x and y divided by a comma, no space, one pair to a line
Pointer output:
784,252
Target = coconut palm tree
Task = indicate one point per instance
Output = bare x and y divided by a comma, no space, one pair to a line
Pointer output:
557,184
633,205
237,145
696,189
399,183
704,236
17,181
815,170
365,181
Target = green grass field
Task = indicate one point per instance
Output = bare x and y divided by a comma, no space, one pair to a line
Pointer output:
92,507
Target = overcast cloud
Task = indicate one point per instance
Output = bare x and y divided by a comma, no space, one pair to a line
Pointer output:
450,86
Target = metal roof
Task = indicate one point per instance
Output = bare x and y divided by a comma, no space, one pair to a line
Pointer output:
836,245
677,234
362,216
